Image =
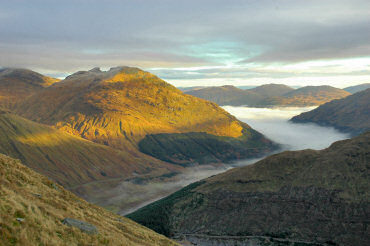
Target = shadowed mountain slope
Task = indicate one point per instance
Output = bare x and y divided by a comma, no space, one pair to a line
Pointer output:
350,114
357,88
121,106
17,84
33,208
70,160
303,197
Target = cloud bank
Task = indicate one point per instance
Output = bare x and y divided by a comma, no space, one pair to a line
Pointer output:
191,40
274,123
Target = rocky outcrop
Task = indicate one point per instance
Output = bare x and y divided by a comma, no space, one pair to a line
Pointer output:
82,225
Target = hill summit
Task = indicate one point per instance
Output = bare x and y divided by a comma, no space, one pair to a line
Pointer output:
18,83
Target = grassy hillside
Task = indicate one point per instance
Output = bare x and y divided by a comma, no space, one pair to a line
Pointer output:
32,208
121,106
350,114
303,197
67,159
16,84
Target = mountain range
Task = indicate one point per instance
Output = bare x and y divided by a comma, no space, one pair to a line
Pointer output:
270,95
349,115
306,197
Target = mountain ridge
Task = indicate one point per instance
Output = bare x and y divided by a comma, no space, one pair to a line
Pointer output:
349,115
270,95
306,197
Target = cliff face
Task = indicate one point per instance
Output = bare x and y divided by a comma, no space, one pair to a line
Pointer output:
120,107
305,197
350,114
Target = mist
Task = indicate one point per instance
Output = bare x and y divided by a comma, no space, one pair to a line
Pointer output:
274,123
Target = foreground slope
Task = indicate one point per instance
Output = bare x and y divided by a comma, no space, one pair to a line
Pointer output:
122,106
16,84
69,160
33,208
303,197
350,114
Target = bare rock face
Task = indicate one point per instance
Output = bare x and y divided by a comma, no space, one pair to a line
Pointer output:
82,225
293,198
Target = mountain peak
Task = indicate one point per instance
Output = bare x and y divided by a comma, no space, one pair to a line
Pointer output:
18,83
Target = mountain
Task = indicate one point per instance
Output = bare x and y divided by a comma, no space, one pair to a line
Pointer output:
307,96
226,95
270,95
67,159
271,90
350,114
124,106
306,197
16,84
36,211
357,88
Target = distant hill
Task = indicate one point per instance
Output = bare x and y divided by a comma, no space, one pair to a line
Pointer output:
122,106
350,114
357,88
303,197
67,159
307,96
185,89
270,95
16,84
33,209
272,90
226,95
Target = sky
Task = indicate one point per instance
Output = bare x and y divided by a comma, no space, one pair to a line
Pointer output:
193,42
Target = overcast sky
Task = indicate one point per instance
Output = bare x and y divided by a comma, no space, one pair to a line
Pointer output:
193,42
